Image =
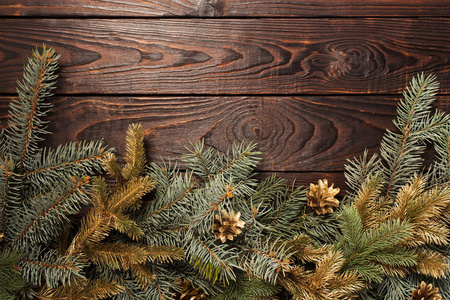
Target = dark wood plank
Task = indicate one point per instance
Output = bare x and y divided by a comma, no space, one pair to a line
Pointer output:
237,56
232,8
298,179
297,134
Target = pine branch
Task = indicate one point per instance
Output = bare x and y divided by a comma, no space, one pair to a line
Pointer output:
113,168
85,290
302,248
73,159
135,152
131,192
208,163
117,256
10,280
440,170
432,263
95,226
402,151
372,208
143,275
360,247
51,269
244,288
171,202
422,209
270,260
164,253
358,171
328,280
214,262
8,194
25,124
42,220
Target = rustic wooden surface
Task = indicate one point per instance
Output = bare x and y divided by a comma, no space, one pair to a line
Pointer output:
237,56
231,8
312,82
303,134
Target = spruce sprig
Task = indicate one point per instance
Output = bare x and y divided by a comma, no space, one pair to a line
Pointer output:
395,188
41,188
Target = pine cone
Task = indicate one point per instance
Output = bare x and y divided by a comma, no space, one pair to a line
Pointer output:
1,236
426,292
227,225
321,197
188,292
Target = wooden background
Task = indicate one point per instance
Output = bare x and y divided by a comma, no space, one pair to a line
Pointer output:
313,82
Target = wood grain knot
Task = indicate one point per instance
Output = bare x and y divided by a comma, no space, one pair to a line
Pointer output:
207,9
357,60
271,124
348,59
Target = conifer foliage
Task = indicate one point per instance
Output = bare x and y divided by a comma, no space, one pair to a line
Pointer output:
211,230
40,188
395,227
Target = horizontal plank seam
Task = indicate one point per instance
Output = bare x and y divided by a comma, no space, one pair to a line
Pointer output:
209,95
156,17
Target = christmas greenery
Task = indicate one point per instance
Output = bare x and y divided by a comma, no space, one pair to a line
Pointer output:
211,230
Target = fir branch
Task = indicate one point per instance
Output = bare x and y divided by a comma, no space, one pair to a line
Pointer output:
53,269
268,194
225,195
135,153
113,168
10,280
6,192
432,263
25,124
208,163
358,171
73,159
95,226
267,261
143,275
214,262
321,228
394,288
40,223
402,151
422,210
185,187
84,290
287,211
163,286
130,193
125,279
244,288
171,196
117,256
164,253
360,247
440,170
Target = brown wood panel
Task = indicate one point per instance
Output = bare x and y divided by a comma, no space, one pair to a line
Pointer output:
304,179
296,134
231,56
232,8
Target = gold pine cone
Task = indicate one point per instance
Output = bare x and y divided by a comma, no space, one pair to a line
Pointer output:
227,225
321,197
426,292
188,292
